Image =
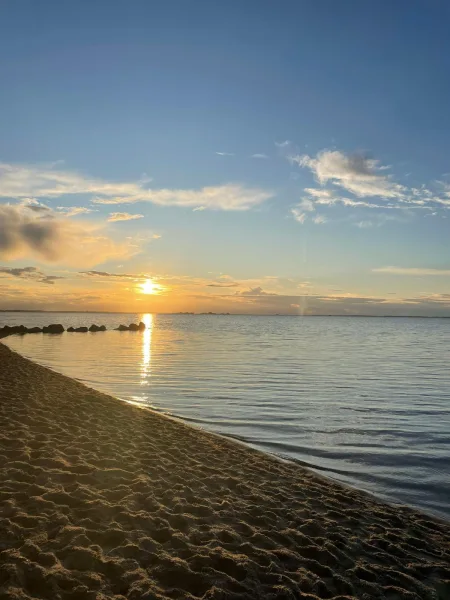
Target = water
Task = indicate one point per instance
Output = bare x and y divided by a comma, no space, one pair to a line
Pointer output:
364,400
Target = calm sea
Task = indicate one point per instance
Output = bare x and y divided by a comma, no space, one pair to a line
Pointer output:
364,400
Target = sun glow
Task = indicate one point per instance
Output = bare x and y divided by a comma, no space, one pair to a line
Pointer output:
150,287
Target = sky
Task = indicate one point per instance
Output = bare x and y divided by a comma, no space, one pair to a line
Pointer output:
246,156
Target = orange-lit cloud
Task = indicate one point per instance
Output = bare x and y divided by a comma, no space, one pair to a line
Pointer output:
25,233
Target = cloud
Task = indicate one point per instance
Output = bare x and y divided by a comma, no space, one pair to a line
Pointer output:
225,153
222,285
74,211
35,205
283,146
299,215
365,224
414,271
123,216
368,186
358,174
25,181
319,220
225,197
24,233
257,291
30,274
105,274
261,156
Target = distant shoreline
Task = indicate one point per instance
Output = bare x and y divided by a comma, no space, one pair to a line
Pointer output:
210,314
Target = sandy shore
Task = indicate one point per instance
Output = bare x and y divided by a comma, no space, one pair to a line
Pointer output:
100,499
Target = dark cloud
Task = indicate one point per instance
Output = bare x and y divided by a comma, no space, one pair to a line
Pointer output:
38,208
223,285
25,233
29,273
114,275
19,229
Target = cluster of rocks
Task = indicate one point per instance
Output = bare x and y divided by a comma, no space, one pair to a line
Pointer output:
86,329
131,327
58,328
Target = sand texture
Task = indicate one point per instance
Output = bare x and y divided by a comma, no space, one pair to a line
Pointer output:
100,499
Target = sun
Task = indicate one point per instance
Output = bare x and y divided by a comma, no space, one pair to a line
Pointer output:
149,287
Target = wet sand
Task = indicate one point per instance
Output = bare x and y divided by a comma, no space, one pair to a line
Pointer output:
100,499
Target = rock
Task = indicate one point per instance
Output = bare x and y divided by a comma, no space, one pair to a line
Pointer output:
71,329
81,330
94,328
54,328
122,328
102,328
134,327
34,330
11,330
141,326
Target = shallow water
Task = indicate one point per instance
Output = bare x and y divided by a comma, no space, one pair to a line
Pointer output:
365,400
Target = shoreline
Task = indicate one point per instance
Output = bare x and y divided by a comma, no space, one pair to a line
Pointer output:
336,474
104,499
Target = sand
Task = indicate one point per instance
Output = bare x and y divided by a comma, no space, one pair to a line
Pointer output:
100,499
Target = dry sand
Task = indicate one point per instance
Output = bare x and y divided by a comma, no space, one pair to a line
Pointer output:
100,499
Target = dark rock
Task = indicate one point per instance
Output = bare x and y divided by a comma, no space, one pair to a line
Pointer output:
71,329
141,326
102,328
11,330
134,327
122,328
34,330
81,330
54,328
94,328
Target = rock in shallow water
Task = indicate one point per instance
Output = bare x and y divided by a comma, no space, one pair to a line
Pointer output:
54,328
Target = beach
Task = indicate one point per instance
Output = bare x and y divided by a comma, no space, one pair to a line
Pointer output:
102,499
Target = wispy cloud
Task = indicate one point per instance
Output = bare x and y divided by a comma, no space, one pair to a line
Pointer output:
225,153
414,271
299,215
74,211
225,197
25,181
123,216
105,274
260,156
30,274
223,285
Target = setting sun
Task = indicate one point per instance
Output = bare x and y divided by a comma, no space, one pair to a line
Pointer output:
149,287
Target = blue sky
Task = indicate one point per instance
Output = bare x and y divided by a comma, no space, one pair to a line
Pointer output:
294,154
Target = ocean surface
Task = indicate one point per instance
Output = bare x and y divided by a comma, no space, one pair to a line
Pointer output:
363,400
